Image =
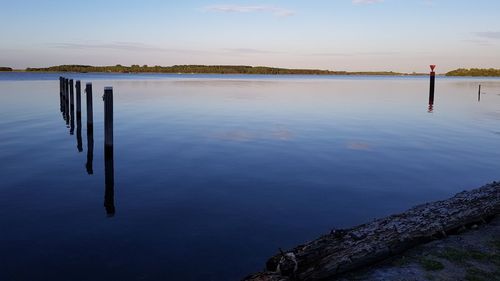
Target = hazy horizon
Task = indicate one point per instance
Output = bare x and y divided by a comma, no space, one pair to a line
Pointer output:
350,35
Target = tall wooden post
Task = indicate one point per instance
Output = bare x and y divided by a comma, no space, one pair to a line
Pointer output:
78,87
108,116
60,94
72,106
90,110
66,93
479,93
90,129
109,192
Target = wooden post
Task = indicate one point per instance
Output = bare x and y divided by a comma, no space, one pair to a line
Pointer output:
60,94
108,116
479,93
72,106
63,97
78,97
90,111
432,85
66,93
108,152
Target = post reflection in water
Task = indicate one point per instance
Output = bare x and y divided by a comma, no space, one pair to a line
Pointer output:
109,174
90,149
67,106
479,94
79,144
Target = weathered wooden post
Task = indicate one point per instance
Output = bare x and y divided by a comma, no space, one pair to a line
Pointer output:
66,93
78,87
108,152
479,93
432,85
90,110
60,94
72,106
64,98
108,116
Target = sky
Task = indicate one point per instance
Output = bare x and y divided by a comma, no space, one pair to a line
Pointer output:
351,35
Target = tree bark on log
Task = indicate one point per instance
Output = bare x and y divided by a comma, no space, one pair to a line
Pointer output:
349,249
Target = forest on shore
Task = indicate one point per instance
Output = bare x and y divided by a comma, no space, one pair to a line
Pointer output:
241,69
202,69
484,72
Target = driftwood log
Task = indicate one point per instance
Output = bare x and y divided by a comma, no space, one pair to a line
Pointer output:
345,250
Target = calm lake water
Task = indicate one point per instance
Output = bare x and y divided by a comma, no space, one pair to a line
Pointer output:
212,174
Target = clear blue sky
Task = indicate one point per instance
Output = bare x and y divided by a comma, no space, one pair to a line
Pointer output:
400,35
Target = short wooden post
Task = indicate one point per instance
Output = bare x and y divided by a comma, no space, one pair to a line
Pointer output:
432,85
90,110
108,116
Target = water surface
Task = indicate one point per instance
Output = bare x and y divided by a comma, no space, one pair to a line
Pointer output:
213,173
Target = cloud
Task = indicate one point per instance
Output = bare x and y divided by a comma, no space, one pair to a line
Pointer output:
478,42
277,11
488,34
332,54
365,2
127,46
248,51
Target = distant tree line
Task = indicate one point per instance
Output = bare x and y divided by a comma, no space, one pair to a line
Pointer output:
3,68
474,72
203,69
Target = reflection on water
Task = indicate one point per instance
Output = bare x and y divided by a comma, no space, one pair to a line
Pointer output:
109,194
108,150
216,174
90,150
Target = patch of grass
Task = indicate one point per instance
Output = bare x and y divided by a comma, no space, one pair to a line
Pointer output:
496,243
475,274
478,255
430,264
402,261
430,277
495,259
461,256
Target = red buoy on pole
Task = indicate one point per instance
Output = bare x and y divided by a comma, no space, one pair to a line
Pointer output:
432,84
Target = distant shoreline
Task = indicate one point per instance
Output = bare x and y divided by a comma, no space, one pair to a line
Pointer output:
216,73
206,69
239,70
